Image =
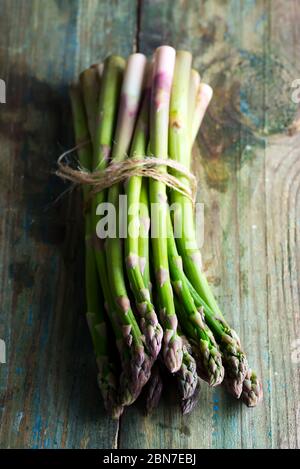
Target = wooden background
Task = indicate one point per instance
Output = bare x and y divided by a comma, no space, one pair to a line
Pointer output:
248,166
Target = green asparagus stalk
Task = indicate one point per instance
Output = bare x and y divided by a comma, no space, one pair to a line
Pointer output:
103,135
129,104
252,392
105,124
149,324
90,88
107,379
209,360
144,226
97,107
234,359
128,391
159,119
107,375
179,149
203,99
194,84
105,130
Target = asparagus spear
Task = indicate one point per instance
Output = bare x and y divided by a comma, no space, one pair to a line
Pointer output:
108,104
103,136
107,369
129,390
144,225
203,99
90,88
194,84
154,388
252,392
187,378
149,324
103,132
107,110
187,405
232,380
130,99
179,149
107,380
236,367
159,118
234,359
209,359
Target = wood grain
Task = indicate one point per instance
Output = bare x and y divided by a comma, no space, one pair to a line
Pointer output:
247,162
282,233
48,392
248,171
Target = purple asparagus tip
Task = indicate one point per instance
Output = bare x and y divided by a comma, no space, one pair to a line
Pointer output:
154,389
172,350
209,363
252,392
236,369
187,405
136,373
187,377
110,395
153,333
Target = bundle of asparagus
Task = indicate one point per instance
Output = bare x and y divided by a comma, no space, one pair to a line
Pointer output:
149,305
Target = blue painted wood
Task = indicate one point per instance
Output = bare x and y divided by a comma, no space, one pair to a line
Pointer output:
48,392
247,162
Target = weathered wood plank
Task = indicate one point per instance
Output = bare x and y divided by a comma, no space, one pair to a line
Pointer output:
48,392
249,185
248,168
282,227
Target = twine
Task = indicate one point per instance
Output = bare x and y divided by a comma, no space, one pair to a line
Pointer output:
118,172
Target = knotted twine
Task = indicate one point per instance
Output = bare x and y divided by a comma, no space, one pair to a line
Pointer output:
119,172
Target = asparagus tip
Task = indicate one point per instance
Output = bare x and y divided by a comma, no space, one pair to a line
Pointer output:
234,387
210,365
187,377
153,334
173,352
108,390
236,368
154,390
187,405
252,392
